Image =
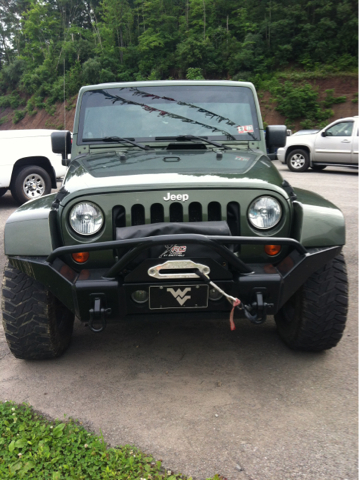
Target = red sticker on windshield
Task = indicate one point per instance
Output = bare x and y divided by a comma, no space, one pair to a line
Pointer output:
245,129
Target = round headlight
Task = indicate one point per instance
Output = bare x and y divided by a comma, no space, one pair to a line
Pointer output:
86,218
264,212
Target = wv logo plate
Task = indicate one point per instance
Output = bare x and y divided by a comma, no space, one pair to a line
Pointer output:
180,295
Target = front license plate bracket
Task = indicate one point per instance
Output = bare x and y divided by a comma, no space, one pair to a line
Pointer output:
178,296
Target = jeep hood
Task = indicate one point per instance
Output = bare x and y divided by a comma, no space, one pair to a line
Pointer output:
148,170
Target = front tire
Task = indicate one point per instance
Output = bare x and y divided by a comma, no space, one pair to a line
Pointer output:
37,325
314,317
30,182
298,160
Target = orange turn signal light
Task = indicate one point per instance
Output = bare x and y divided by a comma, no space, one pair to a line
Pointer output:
272,249
80,257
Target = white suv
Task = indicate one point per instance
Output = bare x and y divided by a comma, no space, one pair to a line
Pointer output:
28,165
335,145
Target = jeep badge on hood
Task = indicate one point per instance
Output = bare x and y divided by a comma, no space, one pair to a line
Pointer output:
181,198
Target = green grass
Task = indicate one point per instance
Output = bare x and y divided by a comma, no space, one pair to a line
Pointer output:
33,447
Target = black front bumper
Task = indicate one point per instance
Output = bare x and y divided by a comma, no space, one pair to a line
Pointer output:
112,288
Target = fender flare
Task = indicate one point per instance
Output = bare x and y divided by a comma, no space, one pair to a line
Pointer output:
30,229
317,222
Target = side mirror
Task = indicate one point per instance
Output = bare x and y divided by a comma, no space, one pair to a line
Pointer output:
324,134
276,136
61,143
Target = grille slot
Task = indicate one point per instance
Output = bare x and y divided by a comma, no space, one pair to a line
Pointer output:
214,212
233,218
157,213
119,216
176,212
195,212
138,214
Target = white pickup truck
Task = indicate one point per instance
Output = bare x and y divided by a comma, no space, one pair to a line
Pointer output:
28,166
334,145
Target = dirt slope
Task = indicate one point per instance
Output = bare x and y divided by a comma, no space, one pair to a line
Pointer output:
343,87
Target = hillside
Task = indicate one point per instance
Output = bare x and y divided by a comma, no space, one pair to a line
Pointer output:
343,86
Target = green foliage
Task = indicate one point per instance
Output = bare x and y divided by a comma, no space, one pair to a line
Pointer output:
194,74
296,102
48,43
91,71
4,101
11,73
33,448
355,99
18,115
50,107
39,102
331,100
13,100
4,119
30,107
301,102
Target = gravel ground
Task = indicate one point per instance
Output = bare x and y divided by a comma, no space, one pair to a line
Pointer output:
207,400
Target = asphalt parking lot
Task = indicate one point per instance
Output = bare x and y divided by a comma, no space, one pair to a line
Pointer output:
204,399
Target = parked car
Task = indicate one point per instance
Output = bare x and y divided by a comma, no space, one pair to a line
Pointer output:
172,209
28,165
334,145
306,132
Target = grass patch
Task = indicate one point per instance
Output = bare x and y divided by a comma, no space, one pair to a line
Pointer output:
322,72
32,447
56,126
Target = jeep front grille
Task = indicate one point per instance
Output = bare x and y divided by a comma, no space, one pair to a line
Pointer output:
139,214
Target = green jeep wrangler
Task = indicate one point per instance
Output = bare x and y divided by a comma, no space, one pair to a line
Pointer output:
171,208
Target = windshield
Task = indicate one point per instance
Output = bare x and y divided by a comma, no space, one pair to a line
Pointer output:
144,113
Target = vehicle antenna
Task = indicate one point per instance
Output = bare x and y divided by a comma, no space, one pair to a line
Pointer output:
64,96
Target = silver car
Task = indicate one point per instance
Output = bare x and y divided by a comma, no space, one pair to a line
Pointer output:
334,145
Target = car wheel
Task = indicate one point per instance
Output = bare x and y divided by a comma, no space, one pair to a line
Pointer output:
37,325
314,317
30,182
298,160
318,168
3,191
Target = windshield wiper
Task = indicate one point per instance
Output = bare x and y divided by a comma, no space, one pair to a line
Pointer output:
118,140
183,138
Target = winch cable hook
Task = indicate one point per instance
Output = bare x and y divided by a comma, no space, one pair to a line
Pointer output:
235,302
260,306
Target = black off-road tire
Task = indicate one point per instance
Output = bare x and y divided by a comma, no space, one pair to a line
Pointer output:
40,177
314,317
37,325
298,160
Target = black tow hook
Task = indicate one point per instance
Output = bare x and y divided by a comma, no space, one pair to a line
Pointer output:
259,309
98,316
